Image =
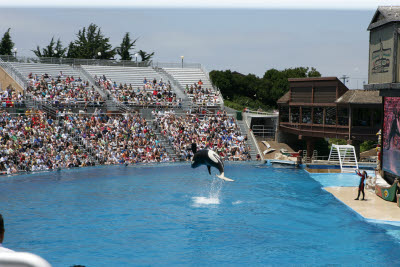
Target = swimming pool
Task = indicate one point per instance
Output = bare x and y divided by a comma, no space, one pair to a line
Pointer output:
174,215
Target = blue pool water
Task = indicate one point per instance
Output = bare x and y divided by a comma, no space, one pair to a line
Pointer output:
174,215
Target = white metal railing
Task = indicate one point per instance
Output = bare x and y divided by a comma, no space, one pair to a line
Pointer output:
14,73
100,62
275,113
345,155
252,135
176,65
263,131
76,61
205,71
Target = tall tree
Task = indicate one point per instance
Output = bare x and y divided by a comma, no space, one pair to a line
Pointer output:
145,56
52,50
91,44
126,45
254,92
6,44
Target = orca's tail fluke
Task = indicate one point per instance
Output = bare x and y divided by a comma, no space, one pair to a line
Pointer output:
221,176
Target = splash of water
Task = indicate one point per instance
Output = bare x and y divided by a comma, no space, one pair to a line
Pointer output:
213,194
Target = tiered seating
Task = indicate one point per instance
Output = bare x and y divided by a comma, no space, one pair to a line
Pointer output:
135,87
51,69
197,85
219,132
58,85
189,76
126,75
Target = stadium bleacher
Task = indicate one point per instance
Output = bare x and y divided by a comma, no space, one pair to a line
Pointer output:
51,69
125,75
189,76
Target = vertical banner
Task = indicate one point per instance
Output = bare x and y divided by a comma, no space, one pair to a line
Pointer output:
391,135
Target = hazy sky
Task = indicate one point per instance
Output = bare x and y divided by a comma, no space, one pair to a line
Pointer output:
292,4
246,40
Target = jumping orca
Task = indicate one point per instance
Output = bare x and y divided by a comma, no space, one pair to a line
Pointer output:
210,159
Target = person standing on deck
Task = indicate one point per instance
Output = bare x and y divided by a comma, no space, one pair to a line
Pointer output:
361,184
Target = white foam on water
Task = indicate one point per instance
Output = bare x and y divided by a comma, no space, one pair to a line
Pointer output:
213,194
205,201
237,202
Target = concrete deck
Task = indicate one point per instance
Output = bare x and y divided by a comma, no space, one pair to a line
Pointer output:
373,208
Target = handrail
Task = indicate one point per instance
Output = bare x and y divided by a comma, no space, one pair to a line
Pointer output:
262,112
76,61
14,73
252,136
221,98
91,80
100,62
176,65
178,87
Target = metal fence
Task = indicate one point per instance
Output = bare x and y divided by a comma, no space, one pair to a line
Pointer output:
16,75
99,62
264,131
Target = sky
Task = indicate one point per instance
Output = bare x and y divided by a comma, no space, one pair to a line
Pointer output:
332,37
274,4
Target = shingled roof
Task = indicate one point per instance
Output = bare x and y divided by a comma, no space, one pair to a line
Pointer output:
360,97
384,15
284,99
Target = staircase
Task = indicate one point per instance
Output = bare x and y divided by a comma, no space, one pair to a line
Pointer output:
177,88
250,140
77,140
164,142
88,77
50,111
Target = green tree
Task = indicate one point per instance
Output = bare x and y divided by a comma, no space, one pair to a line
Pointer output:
368,145
126,45
91,44
6,44
145,56
50,50
254,92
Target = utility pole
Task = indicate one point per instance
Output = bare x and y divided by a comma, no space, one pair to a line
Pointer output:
345,77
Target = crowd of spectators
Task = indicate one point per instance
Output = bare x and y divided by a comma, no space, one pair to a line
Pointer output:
218,132
10,97
202,96
151,93
34,142
63,90
117,139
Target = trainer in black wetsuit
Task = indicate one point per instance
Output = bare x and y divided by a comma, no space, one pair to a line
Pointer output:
361,185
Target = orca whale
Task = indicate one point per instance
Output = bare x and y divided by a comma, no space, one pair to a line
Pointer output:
210,159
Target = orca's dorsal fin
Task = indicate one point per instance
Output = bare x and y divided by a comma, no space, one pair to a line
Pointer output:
209,169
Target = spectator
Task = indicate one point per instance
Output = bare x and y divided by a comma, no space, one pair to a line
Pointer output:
218,132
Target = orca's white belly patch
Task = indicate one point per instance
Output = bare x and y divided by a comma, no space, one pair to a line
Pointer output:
213,156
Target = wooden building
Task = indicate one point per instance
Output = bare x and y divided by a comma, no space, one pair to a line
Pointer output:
384,75
325,108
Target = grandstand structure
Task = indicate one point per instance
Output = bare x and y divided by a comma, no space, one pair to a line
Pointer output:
205,98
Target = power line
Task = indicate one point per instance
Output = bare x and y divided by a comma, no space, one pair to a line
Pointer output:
345,79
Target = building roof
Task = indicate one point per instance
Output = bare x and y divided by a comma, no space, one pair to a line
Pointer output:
284,99
384,15
312,79
360,97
